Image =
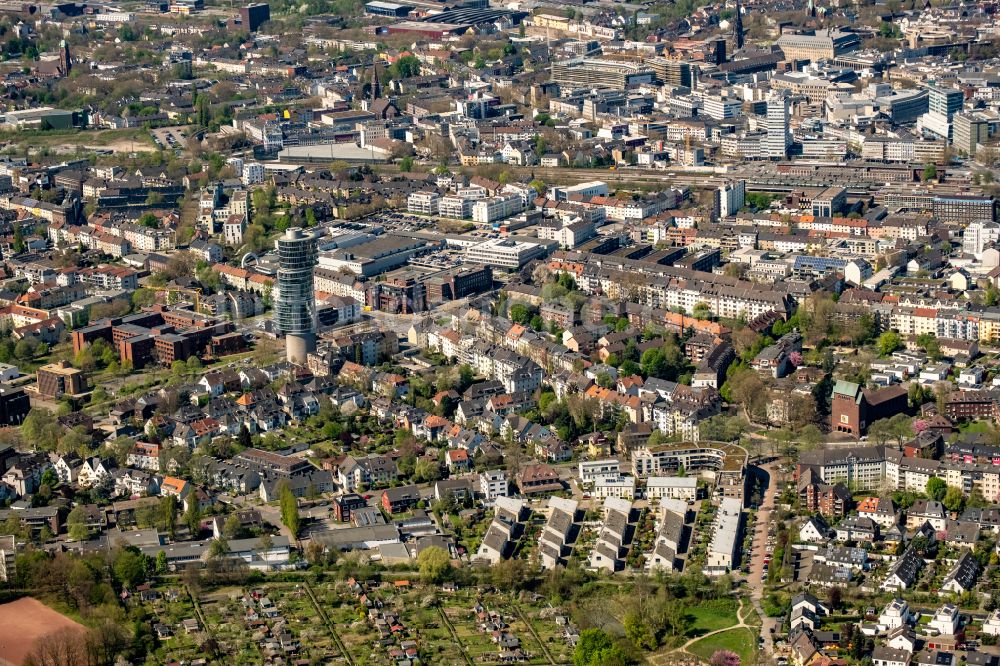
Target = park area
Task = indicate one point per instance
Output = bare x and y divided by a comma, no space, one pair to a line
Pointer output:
740,641
27,626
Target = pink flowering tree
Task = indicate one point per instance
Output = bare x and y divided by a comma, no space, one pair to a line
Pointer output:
725,658
795,358
920,425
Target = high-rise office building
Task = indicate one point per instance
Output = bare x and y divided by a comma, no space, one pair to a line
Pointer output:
779,135
718,53
254,15
294,298
945,101
942,105
673,72
968,131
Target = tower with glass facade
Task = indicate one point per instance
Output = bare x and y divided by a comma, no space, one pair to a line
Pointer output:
294,298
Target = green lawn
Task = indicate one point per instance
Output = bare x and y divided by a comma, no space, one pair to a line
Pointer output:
974,427
742,641
712,615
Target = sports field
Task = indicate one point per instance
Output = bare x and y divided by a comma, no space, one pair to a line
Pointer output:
24,624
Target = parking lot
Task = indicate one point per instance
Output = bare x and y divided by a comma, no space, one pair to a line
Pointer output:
169,138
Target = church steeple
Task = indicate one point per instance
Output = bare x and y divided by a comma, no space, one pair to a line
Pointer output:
738,27
65,60
376,85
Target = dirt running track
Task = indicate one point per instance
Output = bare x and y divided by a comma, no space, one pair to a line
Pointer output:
23,624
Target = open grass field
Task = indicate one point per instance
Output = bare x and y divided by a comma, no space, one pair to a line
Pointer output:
711,616
25,624
741,641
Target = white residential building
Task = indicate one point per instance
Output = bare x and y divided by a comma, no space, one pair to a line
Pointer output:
730,198
615,485
455,206
493,484
672,487
423,203
723,550
992,624
253,173
487,211
591,469
947,620
895,614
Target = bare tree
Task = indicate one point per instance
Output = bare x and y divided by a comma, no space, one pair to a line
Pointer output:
65,647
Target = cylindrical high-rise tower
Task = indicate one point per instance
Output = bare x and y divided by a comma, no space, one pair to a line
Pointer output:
294,298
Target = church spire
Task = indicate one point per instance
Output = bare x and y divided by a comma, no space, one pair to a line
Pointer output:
376,85
65,59
738,27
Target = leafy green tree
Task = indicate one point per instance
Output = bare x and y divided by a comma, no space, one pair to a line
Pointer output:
143,298
19,244
245,438
595,648
405,67
930,172
519,313
169,507
637,631
24,350
888,342
289,508
192,517
435,565
162,567
49,478
41,427
406,164
76,523
629,368
954,499
203,114
992,295
129,566
426,470
936,488
219,548
880,432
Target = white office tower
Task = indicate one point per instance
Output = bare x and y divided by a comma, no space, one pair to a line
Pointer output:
779,133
